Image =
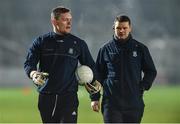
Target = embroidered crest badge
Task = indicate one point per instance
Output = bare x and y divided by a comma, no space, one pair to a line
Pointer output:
134,54
70,51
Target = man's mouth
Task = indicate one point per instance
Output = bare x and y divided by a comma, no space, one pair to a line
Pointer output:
68,27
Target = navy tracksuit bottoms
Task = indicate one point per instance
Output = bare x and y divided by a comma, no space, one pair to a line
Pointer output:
55,108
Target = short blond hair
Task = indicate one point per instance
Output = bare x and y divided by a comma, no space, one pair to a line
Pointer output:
57,11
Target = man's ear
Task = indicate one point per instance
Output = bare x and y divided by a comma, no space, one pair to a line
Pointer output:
130,28
113,27
53,21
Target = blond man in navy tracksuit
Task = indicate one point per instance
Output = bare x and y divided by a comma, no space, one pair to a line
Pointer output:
57,54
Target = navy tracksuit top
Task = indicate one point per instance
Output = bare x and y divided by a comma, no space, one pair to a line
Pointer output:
58,55
120,66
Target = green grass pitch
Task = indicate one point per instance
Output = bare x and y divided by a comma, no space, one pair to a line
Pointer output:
19,105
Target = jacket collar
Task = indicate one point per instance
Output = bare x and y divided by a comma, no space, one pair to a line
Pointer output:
58,36
122,42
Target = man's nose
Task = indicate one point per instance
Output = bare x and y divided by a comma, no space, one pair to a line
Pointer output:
121,30
69,22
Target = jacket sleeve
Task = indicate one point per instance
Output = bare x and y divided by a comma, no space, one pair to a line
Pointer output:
100,72
148,69
101,66
85,58
32,57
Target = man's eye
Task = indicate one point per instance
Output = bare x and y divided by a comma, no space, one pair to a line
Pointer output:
63,19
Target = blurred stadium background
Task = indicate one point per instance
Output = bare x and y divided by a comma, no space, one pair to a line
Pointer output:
155,23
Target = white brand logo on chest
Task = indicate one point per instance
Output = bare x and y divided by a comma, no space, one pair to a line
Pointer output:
60,41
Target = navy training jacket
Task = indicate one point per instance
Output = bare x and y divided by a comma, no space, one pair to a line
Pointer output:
120,68
58,55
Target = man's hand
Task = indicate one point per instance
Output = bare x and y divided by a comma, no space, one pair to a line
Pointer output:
95,105
39,78
94,87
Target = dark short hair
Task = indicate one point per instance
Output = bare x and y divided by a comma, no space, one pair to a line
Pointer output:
57,11
122,18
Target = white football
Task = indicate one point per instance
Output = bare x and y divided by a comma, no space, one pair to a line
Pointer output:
84,74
